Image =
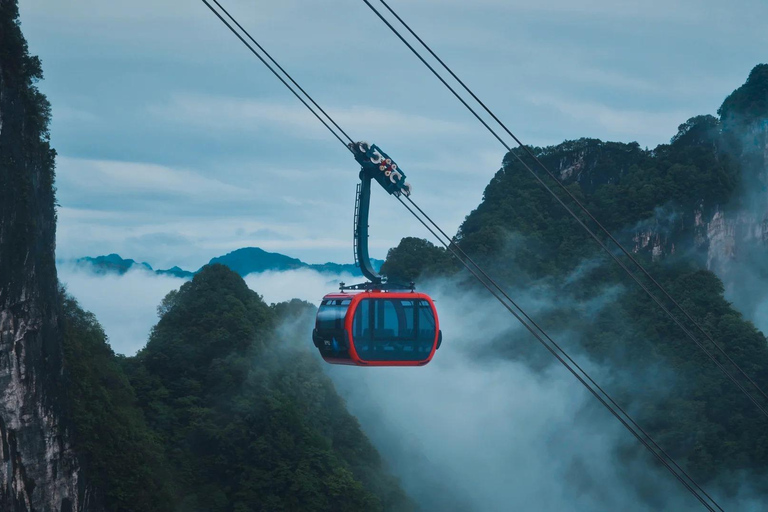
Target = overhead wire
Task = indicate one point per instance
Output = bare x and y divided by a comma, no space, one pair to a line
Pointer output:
574,198
248,35
556,350
661,454
286,84
690,335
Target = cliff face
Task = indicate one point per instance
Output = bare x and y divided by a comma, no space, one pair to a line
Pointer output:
732,236
705,194
39,470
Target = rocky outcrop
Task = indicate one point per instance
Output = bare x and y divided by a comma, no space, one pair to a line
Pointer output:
39,471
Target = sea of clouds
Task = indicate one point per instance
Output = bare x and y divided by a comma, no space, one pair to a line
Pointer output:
469,431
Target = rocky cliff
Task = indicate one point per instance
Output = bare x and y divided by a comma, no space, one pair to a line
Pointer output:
704,195
39,470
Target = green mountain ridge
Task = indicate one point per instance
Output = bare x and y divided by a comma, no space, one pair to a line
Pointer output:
224,409
656,202
248,260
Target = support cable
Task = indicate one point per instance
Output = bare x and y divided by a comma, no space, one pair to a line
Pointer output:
467,258
660,455
573,214
248,35
556,352
232,29
574,198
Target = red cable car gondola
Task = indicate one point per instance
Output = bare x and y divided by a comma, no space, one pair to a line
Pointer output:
377,328
376,323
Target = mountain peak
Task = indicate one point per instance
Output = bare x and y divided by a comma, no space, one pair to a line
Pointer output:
112,263
749,102
253,259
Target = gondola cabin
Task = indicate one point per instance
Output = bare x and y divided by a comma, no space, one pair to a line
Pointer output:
377,328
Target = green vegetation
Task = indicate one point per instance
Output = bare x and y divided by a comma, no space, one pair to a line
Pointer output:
416,257
27,162
120,455
222,411
526,239
748,103
621,184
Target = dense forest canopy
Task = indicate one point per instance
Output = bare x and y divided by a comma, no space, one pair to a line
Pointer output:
530,242
224,410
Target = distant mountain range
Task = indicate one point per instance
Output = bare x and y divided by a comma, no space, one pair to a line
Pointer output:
248,260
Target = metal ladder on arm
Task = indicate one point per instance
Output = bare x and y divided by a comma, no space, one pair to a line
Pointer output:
357,215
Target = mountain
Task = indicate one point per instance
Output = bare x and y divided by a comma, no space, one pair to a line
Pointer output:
251,260
175,272
244,261
690,210
40,469
112,264
245,415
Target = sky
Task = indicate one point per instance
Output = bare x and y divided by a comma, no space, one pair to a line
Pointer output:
176,145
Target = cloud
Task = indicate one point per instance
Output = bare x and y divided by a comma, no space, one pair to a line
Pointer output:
162,239
477,431
141,178
267,234
304,284
167,125
601,118
230,114
125,305
190,242
471,431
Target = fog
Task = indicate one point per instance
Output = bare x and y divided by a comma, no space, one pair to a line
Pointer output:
743,266
471,431
304,284
126,305
474,431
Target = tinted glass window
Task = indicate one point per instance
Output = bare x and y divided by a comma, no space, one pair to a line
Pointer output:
393,330
426,321
330,327
331,314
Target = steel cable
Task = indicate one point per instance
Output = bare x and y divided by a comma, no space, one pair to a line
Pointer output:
572,213
662,456
232,29
544,333
556,352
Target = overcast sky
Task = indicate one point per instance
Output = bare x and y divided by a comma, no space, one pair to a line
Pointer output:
176,145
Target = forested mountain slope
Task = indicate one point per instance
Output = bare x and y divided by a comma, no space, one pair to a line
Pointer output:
246,418
225,409
671,206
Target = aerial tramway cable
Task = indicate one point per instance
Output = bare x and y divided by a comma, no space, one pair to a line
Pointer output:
556,350
537,331
464,258
570,211
283,70
257,54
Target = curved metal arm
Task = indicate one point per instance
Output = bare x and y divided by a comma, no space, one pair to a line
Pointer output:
375,165
361,228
